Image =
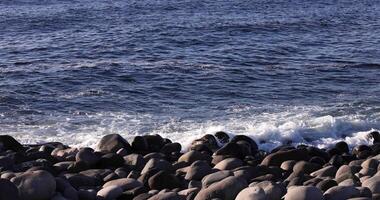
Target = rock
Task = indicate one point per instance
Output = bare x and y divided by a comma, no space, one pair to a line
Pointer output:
280,156
373,184
208,140
139,144
166,196
215,177
222,137
35,185
155,142
193,156
328,171
154,163
272,190
7,142
304,193
87,194
370,164
87,156
247,139
112,143
229,164
306,167
80,180
342,147
111,160
109,193
163,180
8,191
255,193
198,170
134,161
65,154
6,162
226,189
167,149
288,165
341,192
124,183
231,149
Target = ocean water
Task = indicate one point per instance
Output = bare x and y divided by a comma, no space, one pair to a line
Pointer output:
277,70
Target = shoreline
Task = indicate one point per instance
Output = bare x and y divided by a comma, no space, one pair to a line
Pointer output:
214,167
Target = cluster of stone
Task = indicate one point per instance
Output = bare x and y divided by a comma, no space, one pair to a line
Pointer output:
215,167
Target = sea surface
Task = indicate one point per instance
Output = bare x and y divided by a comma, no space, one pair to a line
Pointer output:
276,70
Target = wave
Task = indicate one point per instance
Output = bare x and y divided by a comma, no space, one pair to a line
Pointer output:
269,127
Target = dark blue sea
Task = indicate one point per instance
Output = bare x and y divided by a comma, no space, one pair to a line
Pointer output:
276,70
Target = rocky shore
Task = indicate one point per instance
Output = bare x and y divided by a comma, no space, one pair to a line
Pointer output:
214,167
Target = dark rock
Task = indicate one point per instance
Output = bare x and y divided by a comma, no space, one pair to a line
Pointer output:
166,196
336,161
280,156
215,177
255,193
36,185
124,183
111,160
87,194
139,144
7,142
80,180
155,163
167,149
229,163
373,184
87,156
109,193
193,156
155,142
304,193
328,171
342,147
226,189
252,143
198,170
134,161
163,180
222,137
317,160
341,192
112,143
326,184
8,191
306,167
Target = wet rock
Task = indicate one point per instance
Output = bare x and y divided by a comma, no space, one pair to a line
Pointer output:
65,154
341,192
198,170
87,194
373,184
155,163
163,180
109,193
342,147
166,196
124,183
112,143
87,156
304,193
155,142
167,149
215,177
247,139
229,164
328,171
306,167
280,156
226,189
7,142
255,193
8,191
35,185
193,156
222,137
134,161
111,160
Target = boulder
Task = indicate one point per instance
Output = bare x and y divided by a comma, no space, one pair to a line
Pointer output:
226,189
279,157
255,193
35,185
134,161
215,177
8,191
222,137
193,156
87,156
373,184
109,193
124,183
198,170
328,171
164,180
7,142
304,193
112,143
155,163
229,164
341,192
166,196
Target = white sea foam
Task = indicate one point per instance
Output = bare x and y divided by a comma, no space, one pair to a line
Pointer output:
268,127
